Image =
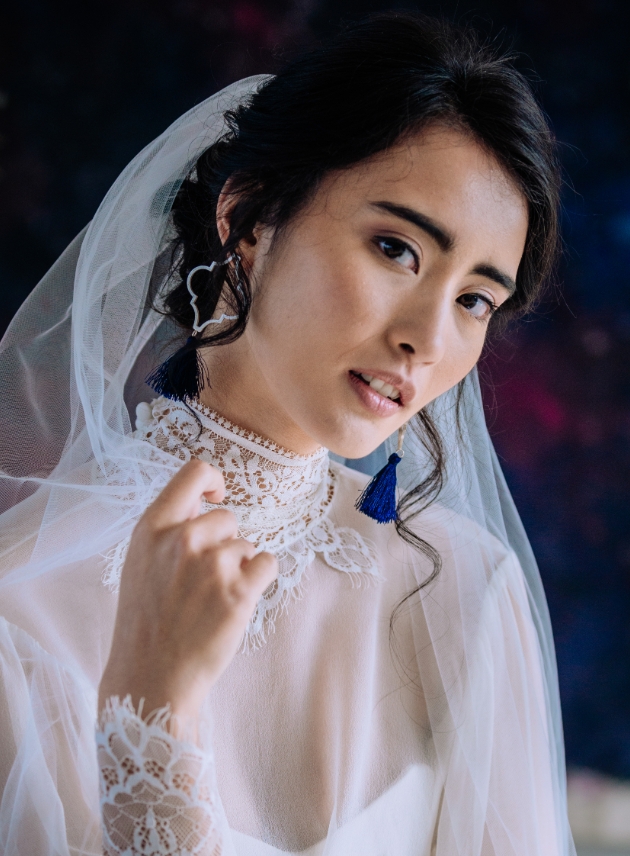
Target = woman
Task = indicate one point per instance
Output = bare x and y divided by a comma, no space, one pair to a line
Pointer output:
335,244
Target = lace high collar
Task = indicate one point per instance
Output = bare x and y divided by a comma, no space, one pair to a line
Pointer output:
275,494
281,500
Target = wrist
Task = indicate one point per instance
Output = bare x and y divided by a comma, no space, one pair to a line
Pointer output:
150,691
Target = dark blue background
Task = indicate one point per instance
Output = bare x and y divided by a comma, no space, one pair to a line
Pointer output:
84,86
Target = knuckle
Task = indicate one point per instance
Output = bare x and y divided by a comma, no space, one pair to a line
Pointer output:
249,549
224,517
185,540
224,561
145,533
242,593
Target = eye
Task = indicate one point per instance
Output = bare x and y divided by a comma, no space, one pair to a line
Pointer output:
398,251
478,306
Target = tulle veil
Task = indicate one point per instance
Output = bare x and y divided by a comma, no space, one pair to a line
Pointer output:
73,481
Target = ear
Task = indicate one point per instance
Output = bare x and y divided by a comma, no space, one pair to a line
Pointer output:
225,206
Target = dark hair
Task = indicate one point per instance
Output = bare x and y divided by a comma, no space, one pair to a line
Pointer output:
376,82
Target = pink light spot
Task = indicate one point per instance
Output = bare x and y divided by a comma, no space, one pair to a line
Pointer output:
250,20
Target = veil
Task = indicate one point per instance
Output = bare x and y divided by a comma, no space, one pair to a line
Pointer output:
74,480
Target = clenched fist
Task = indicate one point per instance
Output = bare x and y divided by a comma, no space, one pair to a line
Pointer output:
188,589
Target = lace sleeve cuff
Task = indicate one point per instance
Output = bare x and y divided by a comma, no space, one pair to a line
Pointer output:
158,792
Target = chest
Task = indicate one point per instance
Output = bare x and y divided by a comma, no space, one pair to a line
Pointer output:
323,719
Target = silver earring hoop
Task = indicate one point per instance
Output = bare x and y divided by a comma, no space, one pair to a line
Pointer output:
401,439
197,327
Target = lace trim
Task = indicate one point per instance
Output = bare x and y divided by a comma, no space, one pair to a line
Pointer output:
273,493
158,793
245,434
280,500
341,548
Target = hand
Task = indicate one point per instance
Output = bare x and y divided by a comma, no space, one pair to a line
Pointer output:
188,589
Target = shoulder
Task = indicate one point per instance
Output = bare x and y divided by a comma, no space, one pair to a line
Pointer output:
461,543
451,531
447,527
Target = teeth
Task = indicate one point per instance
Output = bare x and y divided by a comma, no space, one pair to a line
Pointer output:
385,389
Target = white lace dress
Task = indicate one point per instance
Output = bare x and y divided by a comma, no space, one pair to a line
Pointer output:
354,721
321,723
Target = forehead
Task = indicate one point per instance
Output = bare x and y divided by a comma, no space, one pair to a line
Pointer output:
443,172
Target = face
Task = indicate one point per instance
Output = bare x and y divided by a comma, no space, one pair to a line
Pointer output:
376,299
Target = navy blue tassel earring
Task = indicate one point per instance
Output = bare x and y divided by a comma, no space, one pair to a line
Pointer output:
183,375
378,500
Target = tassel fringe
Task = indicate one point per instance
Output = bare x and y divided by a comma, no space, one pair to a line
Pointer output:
182,376
378,500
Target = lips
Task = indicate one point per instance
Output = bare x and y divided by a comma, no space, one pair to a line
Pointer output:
390,385
386,389
371,394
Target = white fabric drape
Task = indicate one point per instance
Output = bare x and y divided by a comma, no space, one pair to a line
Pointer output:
333,737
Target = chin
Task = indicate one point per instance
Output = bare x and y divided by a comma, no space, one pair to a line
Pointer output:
350,447
347,436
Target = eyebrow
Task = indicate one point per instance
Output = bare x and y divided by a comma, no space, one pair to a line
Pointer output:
444,239
490,272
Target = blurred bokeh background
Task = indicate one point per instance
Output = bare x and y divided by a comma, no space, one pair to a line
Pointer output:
84,86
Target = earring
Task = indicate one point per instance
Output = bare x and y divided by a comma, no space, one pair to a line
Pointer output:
197,327
184,374
378,500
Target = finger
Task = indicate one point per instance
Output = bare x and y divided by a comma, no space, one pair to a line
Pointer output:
262,569
229,557
210,529
181,498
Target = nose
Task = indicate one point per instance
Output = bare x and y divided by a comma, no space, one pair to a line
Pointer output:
421,330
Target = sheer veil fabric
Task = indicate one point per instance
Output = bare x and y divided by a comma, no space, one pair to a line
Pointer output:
332,737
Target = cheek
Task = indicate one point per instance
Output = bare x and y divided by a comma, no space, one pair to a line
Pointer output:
460,357
317,308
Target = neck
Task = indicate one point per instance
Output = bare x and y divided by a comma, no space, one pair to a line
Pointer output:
240,393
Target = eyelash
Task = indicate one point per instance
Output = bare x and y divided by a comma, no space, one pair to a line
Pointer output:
492,307
397,245
401,246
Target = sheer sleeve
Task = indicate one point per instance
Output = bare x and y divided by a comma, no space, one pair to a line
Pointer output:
501,769
48,776
158,792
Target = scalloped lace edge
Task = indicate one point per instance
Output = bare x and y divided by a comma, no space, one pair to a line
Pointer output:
158,791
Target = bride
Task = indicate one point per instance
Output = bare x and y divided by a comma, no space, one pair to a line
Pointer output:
279,655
